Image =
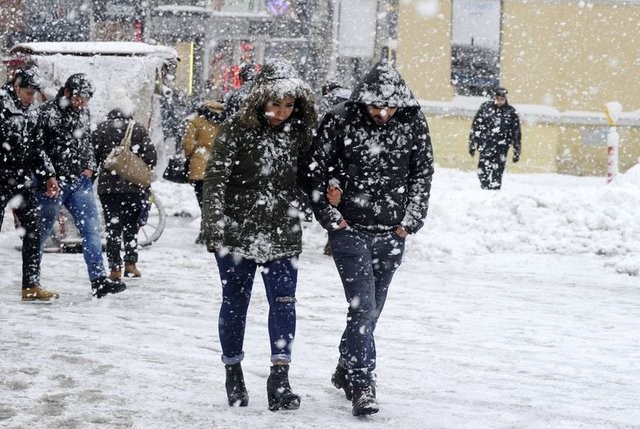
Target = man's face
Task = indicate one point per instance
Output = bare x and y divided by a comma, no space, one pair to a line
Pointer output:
381,114
26,95
77,102
500,100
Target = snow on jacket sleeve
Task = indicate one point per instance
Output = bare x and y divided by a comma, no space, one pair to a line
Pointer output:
323,163
218,170
419,180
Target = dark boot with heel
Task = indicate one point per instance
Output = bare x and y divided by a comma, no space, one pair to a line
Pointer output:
236,389
279,391
340,379
364,401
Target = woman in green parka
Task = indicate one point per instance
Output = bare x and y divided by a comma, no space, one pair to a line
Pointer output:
252,213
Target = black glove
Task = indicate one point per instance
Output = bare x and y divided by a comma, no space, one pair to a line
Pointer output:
472,151
516,157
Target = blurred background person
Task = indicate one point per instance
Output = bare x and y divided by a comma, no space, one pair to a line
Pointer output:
122,201
495,127
197,143
20,158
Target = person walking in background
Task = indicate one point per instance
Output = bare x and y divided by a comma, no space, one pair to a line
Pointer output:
495,127
197,143
63,132
122,201
246,76
252,218
376,150
20,159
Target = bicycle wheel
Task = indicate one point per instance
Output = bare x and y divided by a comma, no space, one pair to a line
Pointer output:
152,230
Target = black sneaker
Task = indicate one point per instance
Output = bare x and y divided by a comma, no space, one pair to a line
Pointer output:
103,286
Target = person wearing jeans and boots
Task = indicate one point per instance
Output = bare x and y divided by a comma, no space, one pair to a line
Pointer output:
253,199
62,130
375,151
19,161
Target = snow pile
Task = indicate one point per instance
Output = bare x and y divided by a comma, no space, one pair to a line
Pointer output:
541,213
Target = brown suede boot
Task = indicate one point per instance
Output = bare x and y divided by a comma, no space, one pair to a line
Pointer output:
130,270
36,293
116,274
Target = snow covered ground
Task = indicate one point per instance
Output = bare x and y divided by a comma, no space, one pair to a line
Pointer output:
513,309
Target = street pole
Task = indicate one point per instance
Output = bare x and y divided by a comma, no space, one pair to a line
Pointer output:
612,111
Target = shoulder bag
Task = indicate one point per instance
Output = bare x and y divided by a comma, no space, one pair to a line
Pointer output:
127,164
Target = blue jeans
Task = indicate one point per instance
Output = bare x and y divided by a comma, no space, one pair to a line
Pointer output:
280,278
78,198
366,263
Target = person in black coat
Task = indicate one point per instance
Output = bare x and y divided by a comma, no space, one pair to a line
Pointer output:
20,159
495,127
122,201
375,149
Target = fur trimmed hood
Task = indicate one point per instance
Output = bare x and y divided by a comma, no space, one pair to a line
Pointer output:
278,79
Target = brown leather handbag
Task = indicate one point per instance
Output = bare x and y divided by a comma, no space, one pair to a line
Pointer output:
127,164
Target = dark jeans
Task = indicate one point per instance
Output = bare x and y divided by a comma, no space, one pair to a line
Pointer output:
490,169
366,263
121,214
198,188
28,213
280,278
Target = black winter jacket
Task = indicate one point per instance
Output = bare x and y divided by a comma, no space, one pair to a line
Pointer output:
494,129
384,170
108,136
64,136
252,192
20,158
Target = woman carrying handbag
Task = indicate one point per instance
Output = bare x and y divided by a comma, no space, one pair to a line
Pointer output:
122,200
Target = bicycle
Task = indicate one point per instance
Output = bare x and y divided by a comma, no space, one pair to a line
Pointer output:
65,237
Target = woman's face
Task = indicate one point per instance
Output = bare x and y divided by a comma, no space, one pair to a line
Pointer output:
278,111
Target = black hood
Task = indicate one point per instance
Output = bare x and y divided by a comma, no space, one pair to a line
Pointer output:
383,86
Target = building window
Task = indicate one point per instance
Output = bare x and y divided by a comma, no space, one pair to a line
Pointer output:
475,50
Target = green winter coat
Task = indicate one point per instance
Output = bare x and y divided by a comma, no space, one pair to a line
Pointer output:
253,192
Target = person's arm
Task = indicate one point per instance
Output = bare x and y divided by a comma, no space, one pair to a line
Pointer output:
217,173
476,131
323,160
189,139
419,180
517,137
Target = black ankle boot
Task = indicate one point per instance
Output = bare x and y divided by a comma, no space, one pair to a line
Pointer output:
236,390
340,379
364,401
279,390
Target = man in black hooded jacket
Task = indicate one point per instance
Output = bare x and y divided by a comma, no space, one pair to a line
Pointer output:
20,161
495,127
375,150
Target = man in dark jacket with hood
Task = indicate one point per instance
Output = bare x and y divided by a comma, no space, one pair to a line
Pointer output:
495,127
20,160
63,133
375,149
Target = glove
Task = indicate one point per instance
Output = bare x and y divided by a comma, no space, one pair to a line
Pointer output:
472,151
516,158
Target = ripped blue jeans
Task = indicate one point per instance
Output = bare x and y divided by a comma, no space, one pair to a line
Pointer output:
280,278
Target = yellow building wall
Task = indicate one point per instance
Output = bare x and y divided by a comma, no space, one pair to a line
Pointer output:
424,49
571,55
